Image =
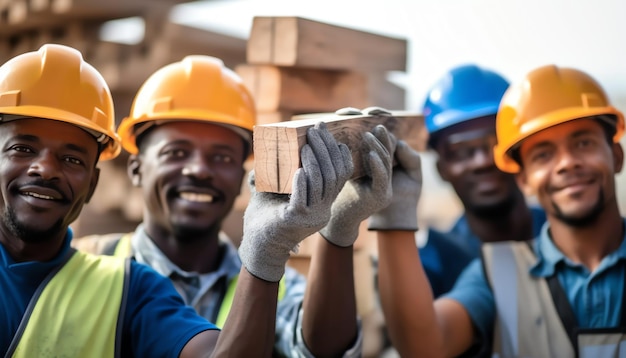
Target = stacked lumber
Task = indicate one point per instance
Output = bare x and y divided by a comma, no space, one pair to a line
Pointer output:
296,65
25,25
300,72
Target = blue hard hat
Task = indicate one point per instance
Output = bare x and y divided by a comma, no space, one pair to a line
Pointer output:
464,93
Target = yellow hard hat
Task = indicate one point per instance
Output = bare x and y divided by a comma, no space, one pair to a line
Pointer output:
548,96
198,88
56,83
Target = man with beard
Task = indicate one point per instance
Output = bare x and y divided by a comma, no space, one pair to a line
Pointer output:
559,295
189,133
57,121
460,112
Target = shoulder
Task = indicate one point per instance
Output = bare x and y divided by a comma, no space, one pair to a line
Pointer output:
155,309
96,244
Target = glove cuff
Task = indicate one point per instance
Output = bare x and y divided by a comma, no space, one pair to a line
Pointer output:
262,264
342,238
397,218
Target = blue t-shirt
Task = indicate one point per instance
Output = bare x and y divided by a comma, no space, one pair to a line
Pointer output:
595,297
446,255
154,309
443,260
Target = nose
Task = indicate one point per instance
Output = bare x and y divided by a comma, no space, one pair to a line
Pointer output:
197,167
482,157
45,165
566,160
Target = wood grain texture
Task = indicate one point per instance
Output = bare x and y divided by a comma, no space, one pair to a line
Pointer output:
299,42
277,146
303,90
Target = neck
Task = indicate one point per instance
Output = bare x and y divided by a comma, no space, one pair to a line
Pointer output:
516,225
588,245
199,253
22,251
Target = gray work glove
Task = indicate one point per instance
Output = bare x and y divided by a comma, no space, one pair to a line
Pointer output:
274,224
401,214
363,196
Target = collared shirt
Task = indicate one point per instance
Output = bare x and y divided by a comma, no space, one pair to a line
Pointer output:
445,255
464,236
593,296
205,292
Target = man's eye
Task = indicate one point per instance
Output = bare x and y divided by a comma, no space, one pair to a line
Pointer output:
221,158
74,160
22,149
175,153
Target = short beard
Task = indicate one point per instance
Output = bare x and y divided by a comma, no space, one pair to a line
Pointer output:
495,211
28,234
584,221
186,234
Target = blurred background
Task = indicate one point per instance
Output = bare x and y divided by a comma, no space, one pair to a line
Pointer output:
127,40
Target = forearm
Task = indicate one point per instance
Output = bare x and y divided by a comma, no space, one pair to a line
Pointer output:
329,324
406,297
252,319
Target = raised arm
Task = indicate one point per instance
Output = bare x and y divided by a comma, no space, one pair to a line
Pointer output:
418,327
329,309
274,224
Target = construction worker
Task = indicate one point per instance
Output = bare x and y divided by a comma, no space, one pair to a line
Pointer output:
559,295
460,111
189,133
57,122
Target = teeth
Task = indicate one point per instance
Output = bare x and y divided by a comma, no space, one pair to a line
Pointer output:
202,198
39,196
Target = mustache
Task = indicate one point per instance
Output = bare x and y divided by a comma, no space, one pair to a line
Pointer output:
46,184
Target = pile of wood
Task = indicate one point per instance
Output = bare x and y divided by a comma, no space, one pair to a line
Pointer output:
296,67
293,66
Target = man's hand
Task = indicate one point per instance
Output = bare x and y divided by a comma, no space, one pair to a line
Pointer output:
274,224
401,214
363,196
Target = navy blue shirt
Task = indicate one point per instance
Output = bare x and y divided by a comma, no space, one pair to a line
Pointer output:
445,255
154,309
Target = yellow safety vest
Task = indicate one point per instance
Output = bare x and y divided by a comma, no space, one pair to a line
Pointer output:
76,311
529,323
123,249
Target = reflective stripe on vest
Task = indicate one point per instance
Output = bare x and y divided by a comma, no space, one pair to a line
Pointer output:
77,312
123,249
528,324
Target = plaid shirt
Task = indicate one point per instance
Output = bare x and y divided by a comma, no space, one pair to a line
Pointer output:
205,292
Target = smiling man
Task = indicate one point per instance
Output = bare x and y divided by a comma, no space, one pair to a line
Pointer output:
460,112
189,133
560,295
56,122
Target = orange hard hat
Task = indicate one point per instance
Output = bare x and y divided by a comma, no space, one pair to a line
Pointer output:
198,88
56,83
548,96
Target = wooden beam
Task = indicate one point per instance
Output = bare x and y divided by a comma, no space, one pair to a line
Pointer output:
303,90
17,16
299,42
277,146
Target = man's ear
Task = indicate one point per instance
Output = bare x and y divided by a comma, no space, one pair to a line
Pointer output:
522,183
441,169
133,169
618,157
93,183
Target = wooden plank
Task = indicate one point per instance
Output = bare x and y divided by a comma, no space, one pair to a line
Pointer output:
303,90
299,42
17,16
277,146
